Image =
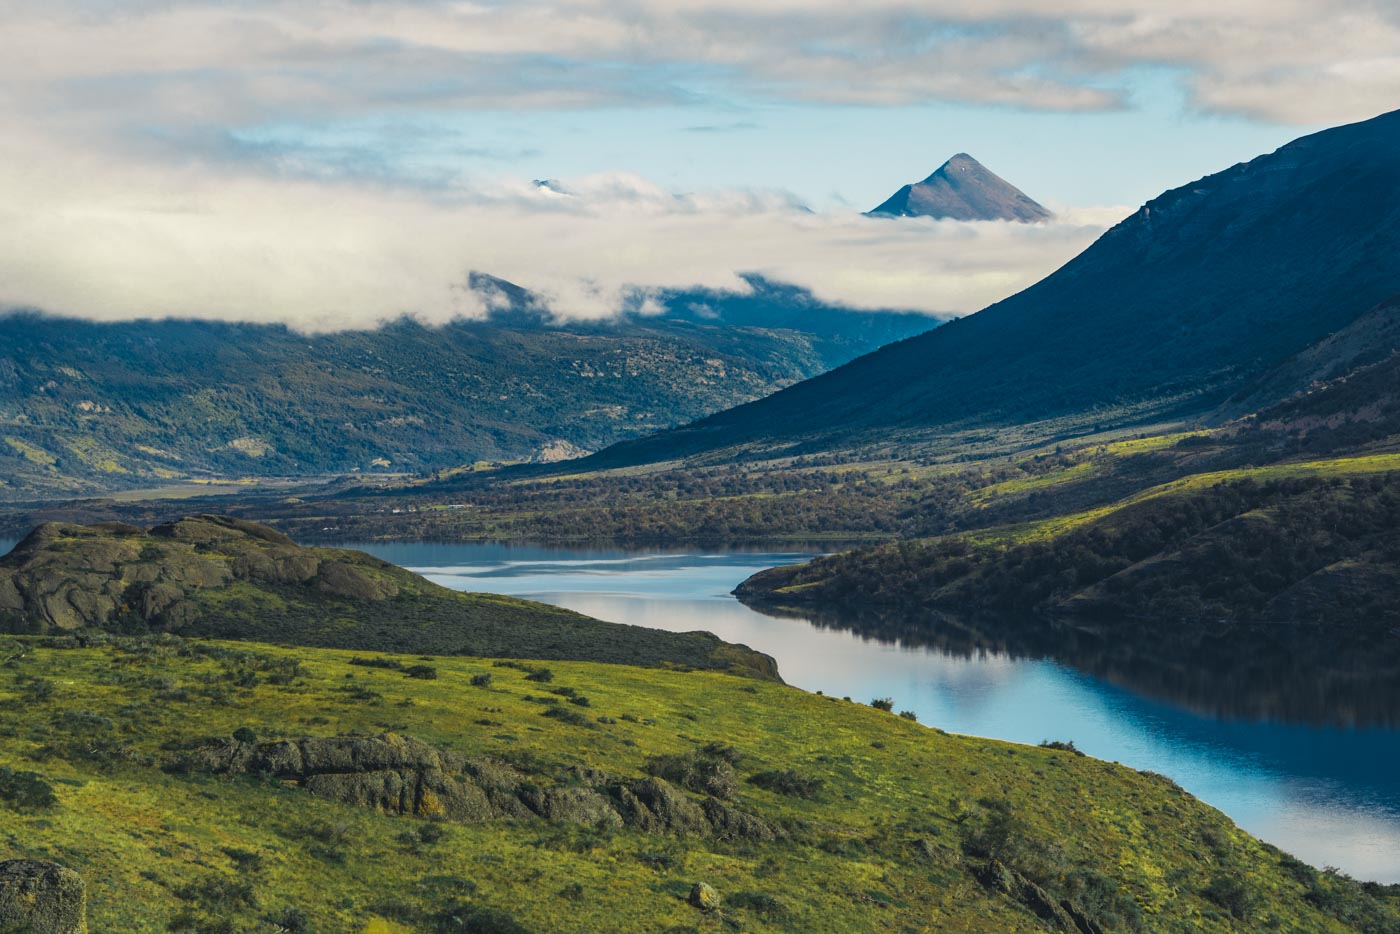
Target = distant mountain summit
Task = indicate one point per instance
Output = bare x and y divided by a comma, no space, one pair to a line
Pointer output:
963,189
1195,298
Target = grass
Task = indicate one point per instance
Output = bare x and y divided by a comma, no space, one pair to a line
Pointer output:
1055,526
883,842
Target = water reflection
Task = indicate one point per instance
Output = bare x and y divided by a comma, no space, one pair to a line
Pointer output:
1292,674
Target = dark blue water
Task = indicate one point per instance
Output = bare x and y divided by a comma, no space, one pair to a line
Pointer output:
1329,795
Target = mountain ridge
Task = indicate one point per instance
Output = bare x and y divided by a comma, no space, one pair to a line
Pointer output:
1166,315
88,407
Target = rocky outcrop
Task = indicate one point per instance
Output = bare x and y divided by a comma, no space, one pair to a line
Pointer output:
398,774
226,578
41,897
65,576
1061,916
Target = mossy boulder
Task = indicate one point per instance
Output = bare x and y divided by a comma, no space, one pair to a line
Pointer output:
704,896
41,897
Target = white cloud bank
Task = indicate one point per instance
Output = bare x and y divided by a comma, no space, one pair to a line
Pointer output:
84,237
121,194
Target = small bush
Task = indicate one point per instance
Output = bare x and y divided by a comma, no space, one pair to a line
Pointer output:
787,782
482,680
472,919
883,703
25,791
1062,746
245,735
540,675
392,664
244,860
567,716
422,672
765,906
909,715
1232,893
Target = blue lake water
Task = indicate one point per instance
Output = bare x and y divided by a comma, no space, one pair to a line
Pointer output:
1329,795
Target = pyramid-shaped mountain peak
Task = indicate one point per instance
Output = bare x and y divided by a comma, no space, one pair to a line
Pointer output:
963,189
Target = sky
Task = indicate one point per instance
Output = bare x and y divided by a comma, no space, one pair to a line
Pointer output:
336,163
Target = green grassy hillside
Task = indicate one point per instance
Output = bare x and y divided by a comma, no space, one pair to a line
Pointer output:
216,576
802,812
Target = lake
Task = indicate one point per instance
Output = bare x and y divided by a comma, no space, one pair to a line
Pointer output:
1328,794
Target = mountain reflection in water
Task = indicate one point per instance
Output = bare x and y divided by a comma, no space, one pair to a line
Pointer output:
1290,674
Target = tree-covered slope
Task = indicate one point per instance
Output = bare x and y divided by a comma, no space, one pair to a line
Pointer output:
203,786
216,576
1299,544
1180,305
90,406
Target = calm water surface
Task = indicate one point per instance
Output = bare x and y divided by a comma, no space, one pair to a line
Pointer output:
1329,795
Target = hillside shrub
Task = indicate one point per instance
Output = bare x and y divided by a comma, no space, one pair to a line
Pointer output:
788,782
25,791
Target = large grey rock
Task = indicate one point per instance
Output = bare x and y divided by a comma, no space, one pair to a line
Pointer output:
42,897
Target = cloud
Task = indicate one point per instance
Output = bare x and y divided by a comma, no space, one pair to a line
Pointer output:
139,176
214,62
85,236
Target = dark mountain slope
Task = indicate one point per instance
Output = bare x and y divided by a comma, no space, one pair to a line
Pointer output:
86,407
963,189
1171,311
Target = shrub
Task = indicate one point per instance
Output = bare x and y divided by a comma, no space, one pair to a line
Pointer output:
883,703
422,672
392,664
909,715
787,782
1062,746
765,906
472,919
482,680
244,860
25,791
999,836
541,675
245,735
568,716
1232,893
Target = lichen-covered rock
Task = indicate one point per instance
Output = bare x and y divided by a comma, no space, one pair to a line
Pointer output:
655,805
730,823
574,805
398,774
1000,878
704,896
42,897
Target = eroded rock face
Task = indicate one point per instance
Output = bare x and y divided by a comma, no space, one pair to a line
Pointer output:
401,775
42,897
65,576
1061,916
